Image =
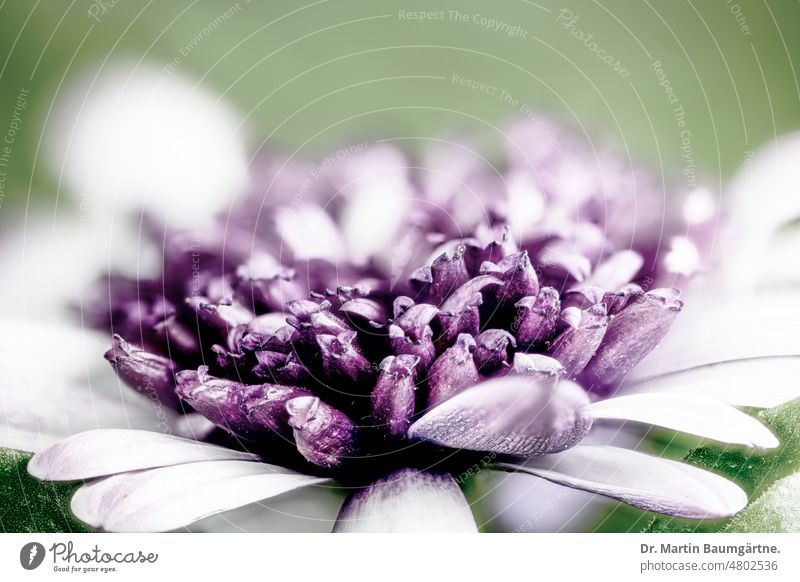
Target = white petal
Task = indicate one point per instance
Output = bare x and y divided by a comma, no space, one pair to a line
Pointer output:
97,453
683,257
616,271
307,510
515,415
377,199
712,330
53,255
757,382
171,497
134,138
647,482
407,501
690,413
526,205
54,382
518,503
762,197
308,232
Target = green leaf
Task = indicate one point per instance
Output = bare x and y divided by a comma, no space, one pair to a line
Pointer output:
777,510
30,505
755,472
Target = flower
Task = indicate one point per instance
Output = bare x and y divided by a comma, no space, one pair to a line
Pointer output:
389,330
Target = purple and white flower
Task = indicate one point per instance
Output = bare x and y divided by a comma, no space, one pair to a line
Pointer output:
397,323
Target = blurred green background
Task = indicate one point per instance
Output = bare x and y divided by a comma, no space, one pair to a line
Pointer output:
314,73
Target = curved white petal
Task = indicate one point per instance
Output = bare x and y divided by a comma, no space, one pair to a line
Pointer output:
515,415
171,497
711,330
54,382
764,195
305,510
644,481
690,413
756,382
97,453
518,503
407,501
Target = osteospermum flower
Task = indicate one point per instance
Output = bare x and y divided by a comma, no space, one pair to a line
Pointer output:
388,328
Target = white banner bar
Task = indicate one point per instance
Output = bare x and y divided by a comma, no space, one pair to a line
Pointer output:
303,557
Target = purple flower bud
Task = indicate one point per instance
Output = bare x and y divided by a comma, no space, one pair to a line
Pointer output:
631,335
493,349
453,371
576,345
263,281
342,360
486,246
465,296
363,311
415,319
536,318
448,273
519,278
616,301
293,372
148,374
222,316
256,338
267,411
583,297
220,400
451,325
393,396
303,308
424,349
324,436
317,321
269,364
233,363
176,336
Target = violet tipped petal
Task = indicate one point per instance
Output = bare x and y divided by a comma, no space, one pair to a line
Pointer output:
393,397
453,371
576,345
493,349
514,415
324,435
630,336
148,374
536,318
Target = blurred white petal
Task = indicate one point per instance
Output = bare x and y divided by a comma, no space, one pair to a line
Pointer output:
713,328
139,138
764,196
756,382
54,382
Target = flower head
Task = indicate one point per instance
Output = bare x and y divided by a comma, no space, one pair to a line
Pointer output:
391,326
